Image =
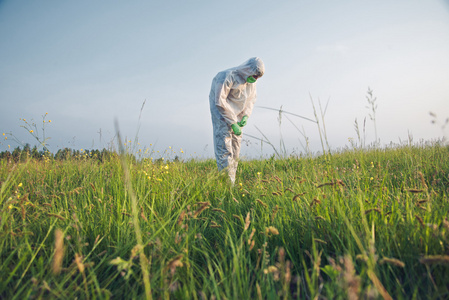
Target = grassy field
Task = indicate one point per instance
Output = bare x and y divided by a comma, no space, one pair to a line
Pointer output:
361,223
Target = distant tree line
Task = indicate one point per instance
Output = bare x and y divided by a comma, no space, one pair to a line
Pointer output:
19,154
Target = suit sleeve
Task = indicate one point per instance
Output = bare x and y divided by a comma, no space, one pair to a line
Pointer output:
221,94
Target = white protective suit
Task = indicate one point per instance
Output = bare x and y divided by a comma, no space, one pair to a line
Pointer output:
231,98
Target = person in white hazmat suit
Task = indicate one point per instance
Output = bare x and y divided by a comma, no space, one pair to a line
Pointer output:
232,97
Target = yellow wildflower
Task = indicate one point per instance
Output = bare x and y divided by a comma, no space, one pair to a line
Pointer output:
20,184
31,131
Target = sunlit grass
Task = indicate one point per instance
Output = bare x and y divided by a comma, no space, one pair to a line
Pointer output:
368,223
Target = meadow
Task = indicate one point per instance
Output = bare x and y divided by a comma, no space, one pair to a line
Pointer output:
366,223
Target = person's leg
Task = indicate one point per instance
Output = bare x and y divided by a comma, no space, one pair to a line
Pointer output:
222,142
234,159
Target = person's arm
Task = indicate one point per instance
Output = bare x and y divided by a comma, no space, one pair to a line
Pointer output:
221,102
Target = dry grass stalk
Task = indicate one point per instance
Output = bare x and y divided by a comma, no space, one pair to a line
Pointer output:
416,191
277,179
56,216
296,197
422,180
173,264
251,236
235,200
59,252
237,217
320,218
247,222
261,203
289,189
373,209
315,200
181,217
251,246
219,210
275,210
420,220
23,211
143,215
259,292
214,224
177,238
392,261
379,286
272,270
136,250
336,182
79,262
320,241
271,230
204,206
352,281
435,259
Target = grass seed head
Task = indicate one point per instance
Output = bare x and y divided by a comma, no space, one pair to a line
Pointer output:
219,210
296,197
392,261
416,191
174,263
79,262
271,230
204,206
181,217
435,259
420,220
247,221
422,180
59,252
261,203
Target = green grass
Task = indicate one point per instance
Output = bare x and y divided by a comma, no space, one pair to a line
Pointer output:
370,223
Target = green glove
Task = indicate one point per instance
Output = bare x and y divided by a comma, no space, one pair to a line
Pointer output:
243,121
236,128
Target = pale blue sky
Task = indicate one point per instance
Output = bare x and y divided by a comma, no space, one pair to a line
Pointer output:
89,62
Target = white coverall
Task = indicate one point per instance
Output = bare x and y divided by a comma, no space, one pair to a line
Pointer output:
232,97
